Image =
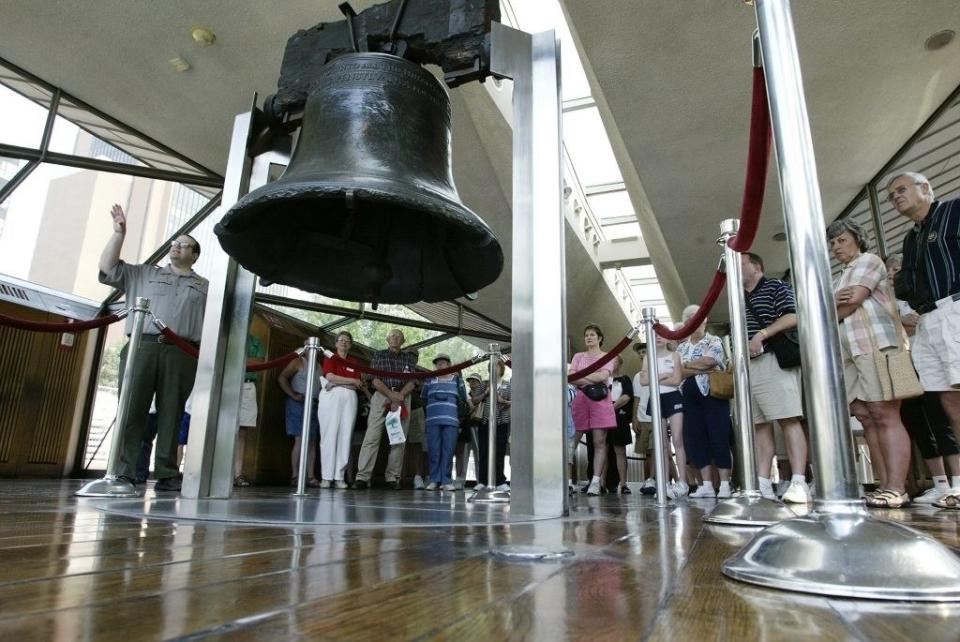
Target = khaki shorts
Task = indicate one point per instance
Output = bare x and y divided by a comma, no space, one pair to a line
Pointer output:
248,404
935,348
417,433
774,392
861,378
643,442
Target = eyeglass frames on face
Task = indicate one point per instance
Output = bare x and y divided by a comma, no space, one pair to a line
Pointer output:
180,245
900,191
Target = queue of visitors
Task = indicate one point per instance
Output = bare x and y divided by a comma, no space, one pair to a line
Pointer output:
899,328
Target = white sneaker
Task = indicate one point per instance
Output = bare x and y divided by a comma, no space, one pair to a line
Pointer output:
766,490
448,487
418,482
430,486
505,487
704,492
341,484
678,490
593,489
479,486
797,493
782,487
326,483
931,495
724,491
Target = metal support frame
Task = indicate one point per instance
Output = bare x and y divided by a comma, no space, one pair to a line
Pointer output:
839,549
110,485
656,413
748,507
878,230
489,493
538,470
312,347
208,469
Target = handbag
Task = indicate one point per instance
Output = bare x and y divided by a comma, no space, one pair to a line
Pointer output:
596,391
898,378
785,344
721,384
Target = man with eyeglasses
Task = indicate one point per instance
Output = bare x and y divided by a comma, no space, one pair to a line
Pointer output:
178,297
929,280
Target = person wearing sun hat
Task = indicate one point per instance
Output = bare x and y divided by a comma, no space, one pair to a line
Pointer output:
442,396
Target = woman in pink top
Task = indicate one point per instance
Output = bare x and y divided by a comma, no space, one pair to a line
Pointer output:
588,415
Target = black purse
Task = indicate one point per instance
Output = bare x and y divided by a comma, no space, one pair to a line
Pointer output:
596,391
785,345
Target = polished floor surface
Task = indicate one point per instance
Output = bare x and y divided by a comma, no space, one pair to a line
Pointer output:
71,571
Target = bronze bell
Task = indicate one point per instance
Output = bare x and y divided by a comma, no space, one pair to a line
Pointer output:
367,209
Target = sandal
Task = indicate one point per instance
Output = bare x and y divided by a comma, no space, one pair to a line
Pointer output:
950,500
888,499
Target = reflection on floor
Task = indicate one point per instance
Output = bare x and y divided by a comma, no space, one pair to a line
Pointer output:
73,572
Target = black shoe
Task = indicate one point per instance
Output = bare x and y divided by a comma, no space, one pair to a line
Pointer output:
360,485
130,481
394,485
168,483
625,490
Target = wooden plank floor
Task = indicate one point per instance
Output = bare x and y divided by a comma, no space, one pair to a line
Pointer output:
71,572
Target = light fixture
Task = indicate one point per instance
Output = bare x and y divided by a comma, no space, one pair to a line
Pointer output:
939,40
179,64
780,236
203,36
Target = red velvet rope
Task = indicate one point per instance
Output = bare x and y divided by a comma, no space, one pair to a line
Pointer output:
589,370
405,376
754,186
275,363
194,352
716,287
39,326
757,160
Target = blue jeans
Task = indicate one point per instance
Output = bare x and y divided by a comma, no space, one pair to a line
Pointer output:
441,441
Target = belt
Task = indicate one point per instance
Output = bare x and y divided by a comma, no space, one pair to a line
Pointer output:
159,338
939,303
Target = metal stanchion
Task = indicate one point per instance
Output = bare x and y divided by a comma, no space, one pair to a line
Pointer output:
838,549
110,486
313,345
749,507
489,493
656,414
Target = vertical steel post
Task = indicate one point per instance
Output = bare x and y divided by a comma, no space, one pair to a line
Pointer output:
748,508
538,464
838,549
313,346
877,221
110,486
208,466
656,413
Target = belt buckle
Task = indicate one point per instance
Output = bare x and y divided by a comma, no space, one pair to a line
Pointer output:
161,338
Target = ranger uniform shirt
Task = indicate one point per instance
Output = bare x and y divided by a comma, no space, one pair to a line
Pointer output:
177,300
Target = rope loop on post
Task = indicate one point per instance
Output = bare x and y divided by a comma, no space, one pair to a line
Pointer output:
758,159
684,331
74,326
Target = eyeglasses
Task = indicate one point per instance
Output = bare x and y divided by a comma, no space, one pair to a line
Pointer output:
900,191
180,245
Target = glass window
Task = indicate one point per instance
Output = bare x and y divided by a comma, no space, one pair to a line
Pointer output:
611,204
586,140
57,222
23,119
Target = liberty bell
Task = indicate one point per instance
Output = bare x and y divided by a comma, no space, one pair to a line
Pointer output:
367,209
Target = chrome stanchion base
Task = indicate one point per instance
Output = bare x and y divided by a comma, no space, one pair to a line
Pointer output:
490,496
749,509
107,487
530,553
848,553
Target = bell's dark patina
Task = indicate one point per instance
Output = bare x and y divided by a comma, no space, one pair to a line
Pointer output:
367,209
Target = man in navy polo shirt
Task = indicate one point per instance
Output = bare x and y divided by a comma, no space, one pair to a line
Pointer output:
775,392
930,282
